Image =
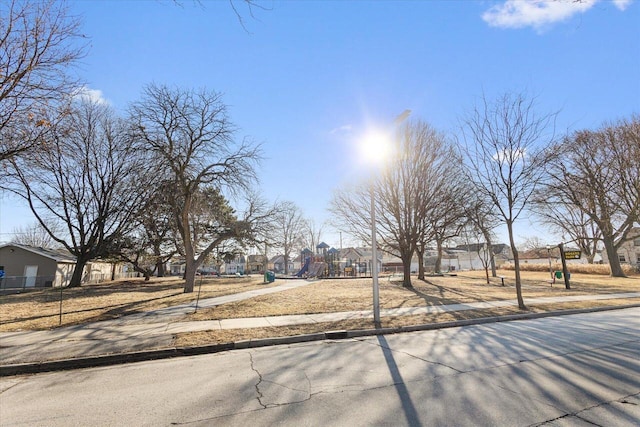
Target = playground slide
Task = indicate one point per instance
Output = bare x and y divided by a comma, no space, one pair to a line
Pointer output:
317,269
304,268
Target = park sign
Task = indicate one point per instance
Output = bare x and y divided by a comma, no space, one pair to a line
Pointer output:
572,254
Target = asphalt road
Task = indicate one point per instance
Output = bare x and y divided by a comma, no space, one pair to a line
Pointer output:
579,370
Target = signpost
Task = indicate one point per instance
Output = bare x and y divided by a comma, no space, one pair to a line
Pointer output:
572,254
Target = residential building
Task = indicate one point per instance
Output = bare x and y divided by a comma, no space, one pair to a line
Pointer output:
629,251
25,266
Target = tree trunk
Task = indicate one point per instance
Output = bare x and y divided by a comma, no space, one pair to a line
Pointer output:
438,266
286,263
189,276
612,254
160,268
420,254
406,270
189,268
516,265
405,257
492,257
76,277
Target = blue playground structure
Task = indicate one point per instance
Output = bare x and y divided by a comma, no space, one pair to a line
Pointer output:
304,268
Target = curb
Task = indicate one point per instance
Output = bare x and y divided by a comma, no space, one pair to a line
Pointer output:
147,355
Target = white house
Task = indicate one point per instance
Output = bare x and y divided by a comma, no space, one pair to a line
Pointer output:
629,251
25,266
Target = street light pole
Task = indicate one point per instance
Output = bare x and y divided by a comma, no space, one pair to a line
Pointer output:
374,260
374,247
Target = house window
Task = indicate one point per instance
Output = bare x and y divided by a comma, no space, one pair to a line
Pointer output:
636,242
622,258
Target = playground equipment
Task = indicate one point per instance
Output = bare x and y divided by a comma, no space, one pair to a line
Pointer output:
312,269
317,269
304,268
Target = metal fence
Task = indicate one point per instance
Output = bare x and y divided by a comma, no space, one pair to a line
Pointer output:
25,282
17,283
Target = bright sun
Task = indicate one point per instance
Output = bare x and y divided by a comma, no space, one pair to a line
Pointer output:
375,147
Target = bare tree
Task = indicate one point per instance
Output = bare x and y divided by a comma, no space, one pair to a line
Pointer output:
89,183
598,173
482,218
350,208
502,144
312,234
448,213
442,197
151,242
568,220
32,235
192,137
38,46
405,194
532,243
289,227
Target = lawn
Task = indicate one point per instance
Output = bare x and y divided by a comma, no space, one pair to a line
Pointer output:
41,309
349,295
355,294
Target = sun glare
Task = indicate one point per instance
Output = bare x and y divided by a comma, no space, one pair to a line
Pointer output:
375,147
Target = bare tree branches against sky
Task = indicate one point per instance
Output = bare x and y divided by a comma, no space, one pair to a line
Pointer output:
308,79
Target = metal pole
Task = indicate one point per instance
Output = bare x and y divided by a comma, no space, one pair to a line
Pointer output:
374,261
550,268
198,296
60,318
565,270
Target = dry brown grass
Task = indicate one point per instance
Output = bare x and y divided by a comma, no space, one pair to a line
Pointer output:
40,309
190,339
602,269
355,294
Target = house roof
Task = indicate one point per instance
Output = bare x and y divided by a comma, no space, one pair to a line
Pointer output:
277,259
58,255
476,247
258,259
322,245
540,253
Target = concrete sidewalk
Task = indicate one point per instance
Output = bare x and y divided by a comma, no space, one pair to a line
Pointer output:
139,333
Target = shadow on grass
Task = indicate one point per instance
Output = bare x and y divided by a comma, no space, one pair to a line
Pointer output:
113,312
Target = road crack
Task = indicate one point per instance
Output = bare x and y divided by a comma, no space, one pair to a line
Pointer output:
377,344
257,385
576,414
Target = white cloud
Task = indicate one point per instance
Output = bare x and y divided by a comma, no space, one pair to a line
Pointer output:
341,129
622,4
92,95
539,13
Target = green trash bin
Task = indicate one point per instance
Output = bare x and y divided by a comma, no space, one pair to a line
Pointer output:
558,274
269,277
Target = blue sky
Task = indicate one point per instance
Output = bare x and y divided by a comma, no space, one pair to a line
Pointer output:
306,79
